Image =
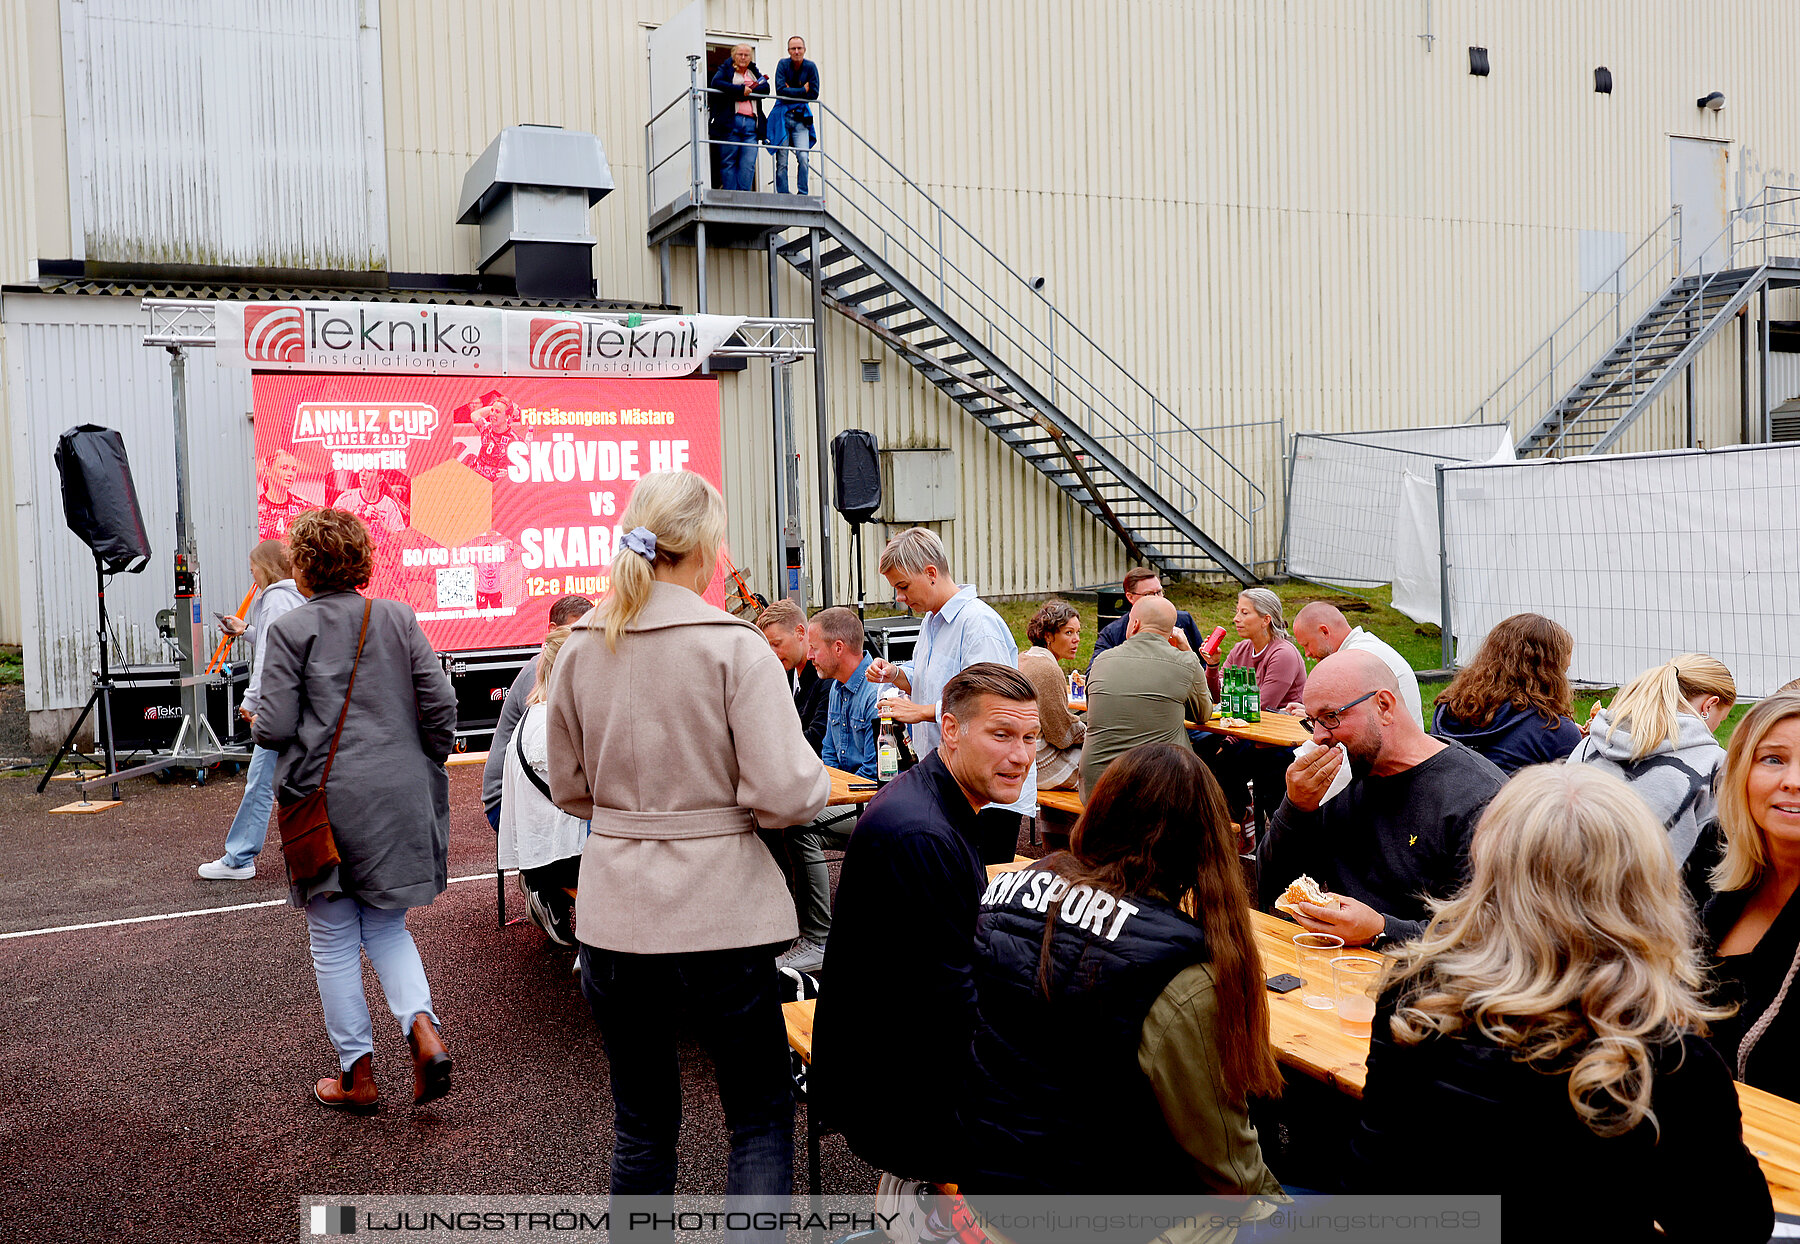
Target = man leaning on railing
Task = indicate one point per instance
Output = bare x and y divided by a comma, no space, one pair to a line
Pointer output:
791,121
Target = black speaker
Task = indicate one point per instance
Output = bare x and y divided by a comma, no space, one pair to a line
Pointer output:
99,500
856,469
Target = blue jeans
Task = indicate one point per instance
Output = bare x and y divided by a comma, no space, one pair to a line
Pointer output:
801,138
730,995
342,929
250,827
737,161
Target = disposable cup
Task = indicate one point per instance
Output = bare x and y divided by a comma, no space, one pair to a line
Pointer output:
1354,980
1313,953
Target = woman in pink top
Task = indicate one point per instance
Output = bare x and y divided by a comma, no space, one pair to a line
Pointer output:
1280,679
1265,648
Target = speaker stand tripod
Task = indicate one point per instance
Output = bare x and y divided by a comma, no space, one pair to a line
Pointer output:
856,559
101,696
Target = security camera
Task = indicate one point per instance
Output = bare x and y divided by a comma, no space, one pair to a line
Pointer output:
1712,102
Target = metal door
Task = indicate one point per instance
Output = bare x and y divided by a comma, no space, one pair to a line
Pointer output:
671,163
1697,170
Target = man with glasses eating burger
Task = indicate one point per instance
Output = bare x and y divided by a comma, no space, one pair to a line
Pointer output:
1397,834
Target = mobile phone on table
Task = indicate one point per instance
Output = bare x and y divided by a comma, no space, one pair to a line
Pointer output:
1287,982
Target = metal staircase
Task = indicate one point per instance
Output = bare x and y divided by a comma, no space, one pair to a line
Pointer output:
1752,253
895,263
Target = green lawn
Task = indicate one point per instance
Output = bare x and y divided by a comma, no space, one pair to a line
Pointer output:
12,666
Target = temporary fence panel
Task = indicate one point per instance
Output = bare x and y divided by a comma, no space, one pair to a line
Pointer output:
1345,493
1640,556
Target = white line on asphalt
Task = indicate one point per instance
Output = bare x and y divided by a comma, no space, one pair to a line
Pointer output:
177,915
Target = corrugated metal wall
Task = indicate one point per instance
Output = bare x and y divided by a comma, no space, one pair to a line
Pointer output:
17,204
206,132
82,360
1285,210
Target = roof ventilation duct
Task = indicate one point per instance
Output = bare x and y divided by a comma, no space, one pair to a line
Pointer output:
529,195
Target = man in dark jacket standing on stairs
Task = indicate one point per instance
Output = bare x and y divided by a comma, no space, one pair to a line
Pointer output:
897,1015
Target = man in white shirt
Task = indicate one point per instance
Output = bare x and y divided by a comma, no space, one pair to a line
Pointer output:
1321,629
959,630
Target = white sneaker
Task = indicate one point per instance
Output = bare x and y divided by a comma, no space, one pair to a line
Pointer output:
219,870
803,956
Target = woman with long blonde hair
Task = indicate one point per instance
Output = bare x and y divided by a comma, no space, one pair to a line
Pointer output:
1657,734
672,732
1753,921
1545,1037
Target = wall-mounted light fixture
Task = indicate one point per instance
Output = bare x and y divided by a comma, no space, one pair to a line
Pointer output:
1478,62
1602,81
1711,102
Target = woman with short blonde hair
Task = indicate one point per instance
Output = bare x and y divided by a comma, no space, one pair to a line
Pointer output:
671,730
1753,921
1546,1035
1657,734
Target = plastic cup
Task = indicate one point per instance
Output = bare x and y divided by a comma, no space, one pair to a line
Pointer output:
1313,953
1353,984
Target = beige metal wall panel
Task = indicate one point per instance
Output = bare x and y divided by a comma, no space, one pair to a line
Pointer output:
18,208
227,134
12,625
73,360
1290,213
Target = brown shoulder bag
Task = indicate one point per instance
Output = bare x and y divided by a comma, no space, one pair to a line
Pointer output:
306,837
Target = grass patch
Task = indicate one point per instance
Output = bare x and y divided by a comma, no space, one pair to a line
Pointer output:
12,666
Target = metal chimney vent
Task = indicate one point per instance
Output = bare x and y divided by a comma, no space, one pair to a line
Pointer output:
529,195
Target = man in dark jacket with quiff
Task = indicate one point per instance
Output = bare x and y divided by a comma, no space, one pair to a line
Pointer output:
896,1023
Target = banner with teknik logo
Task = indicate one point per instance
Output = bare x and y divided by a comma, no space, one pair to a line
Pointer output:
436,340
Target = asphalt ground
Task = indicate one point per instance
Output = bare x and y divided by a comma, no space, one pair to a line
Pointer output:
159,1074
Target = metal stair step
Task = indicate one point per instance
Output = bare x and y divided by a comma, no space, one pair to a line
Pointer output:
836,280
912,326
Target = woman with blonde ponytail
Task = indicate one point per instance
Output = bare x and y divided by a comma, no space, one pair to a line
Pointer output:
1657,734
672,732
1545,1038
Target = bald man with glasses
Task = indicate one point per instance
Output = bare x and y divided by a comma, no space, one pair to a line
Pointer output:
1398,833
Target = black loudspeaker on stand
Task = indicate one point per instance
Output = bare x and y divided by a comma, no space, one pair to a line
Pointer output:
856,474
100,505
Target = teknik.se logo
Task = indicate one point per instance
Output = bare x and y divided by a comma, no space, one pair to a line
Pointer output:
603,347
274,334
334,1220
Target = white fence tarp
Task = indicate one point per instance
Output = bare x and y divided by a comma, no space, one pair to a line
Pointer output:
1345,494
1418,580
1640,556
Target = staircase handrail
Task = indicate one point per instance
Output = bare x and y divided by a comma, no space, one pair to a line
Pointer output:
1764,200
938,262
1610,286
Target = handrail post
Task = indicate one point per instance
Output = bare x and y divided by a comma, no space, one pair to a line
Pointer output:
1676,213
694,125
1447,650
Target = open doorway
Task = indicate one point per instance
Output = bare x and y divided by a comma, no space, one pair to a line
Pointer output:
718,54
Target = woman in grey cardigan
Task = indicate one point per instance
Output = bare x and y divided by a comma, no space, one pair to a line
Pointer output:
387,795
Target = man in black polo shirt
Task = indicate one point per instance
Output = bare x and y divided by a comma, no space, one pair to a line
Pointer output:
783,624
897,1007
1398,833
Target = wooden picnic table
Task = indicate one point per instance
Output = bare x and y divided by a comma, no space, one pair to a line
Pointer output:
840,787
1274,730
1312,1043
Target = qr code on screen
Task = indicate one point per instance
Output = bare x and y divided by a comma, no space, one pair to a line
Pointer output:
456,587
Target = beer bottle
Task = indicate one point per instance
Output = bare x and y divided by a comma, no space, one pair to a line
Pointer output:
887,749
1252,701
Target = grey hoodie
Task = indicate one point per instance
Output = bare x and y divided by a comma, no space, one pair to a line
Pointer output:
1677,782
271,603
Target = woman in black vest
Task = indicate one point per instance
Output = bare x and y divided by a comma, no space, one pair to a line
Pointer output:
1118,1039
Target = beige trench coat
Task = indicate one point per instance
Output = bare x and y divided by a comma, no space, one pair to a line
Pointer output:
678,746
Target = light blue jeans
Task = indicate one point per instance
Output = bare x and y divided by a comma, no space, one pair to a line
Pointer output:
250,827
800,140
342,929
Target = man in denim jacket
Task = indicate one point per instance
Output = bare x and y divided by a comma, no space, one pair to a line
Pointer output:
835,645
791,123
